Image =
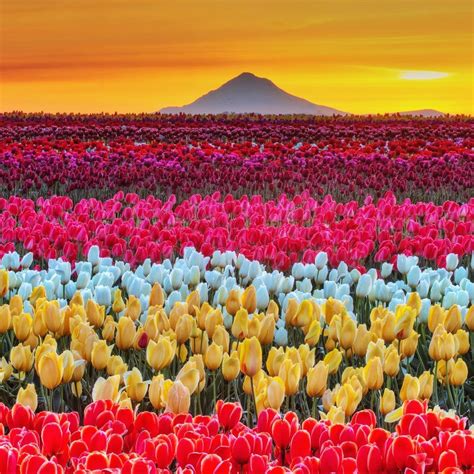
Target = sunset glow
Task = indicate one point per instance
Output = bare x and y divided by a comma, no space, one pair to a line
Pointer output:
117,55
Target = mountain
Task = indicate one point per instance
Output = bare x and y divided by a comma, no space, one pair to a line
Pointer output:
248,93
423,113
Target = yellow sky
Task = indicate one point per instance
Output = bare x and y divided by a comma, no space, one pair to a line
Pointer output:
140,55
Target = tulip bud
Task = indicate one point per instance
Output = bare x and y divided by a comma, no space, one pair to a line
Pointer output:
426,385
250,356
333,360
410,388
213,320
387,401
348,399
28,397
462,338
95,313
452,261
134,385
458,373
240,324
453,319
158,391
373,373
5,318
50,370
21,358
267,330
126,333
361,340
304,314
290,373
230,366
100,354
213,357
4,283
179,399
391,361
108,330
469,320
404,321
133,308
184,328
249,299
22,326
106,389
408,346
276,393
156,297
317,379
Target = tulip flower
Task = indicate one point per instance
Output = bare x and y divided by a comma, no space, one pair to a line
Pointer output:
5,318
126,332
4,282
160,354
50,370
250,356
457,372
373,373
348,399
213,357
290,374
21,358
178,398
404,319
100,354
387,402
134,385
106,389
410,388
230,366
28,397
333,360
317,380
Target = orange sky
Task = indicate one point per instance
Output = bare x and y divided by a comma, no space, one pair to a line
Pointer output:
140,55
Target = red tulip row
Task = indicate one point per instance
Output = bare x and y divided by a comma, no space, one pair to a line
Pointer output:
112,439
349,158
278,232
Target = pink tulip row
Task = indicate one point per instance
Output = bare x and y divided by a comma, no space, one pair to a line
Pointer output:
112,439
276,232
348,158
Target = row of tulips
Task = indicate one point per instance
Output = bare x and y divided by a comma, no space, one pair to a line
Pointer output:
188,342
115,439
347,158
276,232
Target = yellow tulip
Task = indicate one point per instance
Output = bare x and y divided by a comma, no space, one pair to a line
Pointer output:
6,370
3,283
240,325
426,385
118,304
52,316
291,310
199,342
317,378
108,330
250,356
254,327
273,309
333,360
230,366
304,314
213,320
50,370
275,393
267,330
391,365
126,333
100,354
135,387
213,357
189,376
361,340
201,314
414,301
375,349
5,318
133,308
453,320
314,333
249,299
404,320
469,320
436,316
22,326
290,373
408,345
184,327
156,391
346,333
443,345
307,357
387,401
333,307
69,364
199,362
160,354
79,367
232,305
335,415
106,389
329,398
116,366
458,373
222,338
348,399
256,381
193,301
28,397
373,374
37,293
21,358
410,388
95,313
462,338
157,297
179,399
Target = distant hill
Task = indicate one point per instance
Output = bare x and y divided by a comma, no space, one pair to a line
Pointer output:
248,93
423,113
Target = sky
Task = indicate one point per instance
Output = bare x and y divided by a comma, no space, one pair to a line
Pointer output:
360,56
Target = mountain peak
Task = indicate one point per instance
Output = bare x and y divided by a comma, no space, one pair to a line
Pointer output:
248,93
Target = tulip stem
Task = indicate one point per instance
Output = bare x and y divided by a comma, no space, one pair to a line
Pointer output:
435,390
313,407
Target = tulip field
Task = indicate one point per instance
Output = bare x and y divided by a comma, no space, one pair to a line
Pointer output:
236,294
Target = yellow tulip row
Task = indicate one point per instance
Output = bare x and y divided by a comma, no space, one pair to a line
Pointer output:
332,363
